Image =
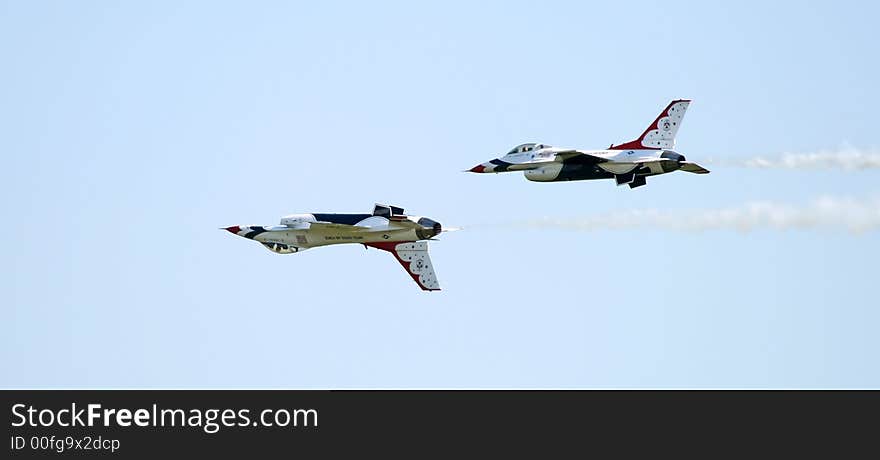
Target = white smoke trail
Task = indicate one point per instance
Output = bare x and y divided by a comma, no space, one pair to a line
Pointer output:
846,158
856,216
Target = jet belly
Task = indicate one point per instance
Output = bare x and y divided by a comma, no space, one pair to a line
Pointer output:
546,173
290,237
642,162
618,168
310,238
577,167
387,228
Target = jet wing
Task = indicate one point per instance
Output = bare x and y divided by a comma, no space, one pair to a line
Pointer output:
413,255
566,154
545,158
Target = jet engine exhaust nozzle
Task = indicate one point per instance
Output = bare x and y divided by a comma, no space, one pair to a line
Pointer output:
430,228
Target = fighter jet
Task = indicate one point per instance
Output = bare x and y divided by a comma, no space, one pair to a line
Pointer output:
387,228
628,163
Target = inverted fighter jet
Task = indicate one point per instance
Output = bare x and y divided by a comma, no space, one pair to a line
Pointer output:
628,163
387,228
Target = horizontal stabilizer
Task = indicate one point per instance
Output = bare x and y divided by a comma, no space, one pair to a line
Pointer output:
693,168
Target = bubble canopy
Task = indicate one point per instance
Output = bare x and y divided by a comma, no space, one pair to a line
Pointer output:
527,148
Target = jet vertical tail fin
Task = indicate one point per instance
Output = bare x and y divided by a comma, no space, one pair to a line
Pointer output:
661,133
413,256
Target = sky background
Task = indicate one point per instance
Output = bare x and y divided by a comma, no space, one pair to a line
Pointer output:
131,131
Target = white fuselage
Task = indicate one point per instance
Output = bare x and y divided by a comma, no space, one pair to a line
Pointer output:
551,164
618,161
310,238
387,229
303,231
627,163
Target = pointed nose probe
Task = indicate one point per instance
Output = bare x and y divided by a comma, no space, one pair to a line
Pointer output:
486,167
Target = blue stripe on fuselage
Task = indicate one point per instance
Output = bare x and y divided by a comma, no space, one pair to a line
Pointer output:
345,219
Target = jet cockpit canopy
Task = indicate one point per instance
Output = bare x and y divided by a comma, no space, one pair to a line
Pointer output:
523,148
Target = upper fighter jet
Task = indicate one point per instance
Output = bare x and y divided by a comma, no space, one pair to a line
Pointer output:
628,163
387,228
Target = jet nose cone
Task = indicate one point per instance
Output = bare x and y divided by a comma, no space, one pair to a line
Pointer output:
234,229
477,169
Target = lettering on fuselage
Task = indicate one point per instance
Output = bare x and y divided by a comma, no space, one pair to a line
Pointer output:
343,238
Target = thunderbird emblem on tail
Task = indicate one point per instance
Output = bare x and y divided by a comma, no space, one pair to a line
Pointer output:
387,228
629,163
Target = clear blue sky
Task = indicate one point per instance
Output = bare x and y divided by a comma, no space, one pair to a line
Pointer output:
131,131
